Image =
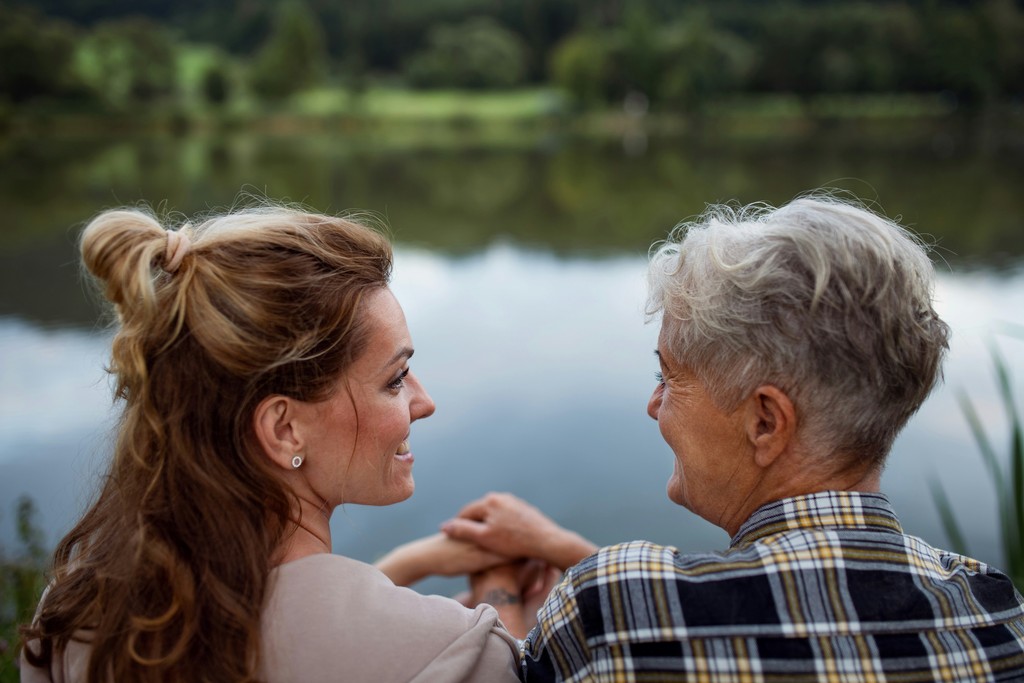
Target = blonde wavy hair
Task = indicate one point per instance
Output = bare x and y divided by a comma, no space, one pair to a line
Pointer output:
166,573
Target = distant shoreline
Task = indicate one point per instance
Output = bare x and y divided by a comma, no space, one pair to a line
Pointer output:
521,115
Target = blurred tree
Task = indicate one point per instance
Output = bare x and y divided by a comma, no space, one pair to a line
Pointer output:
961,53
581,65
36,56
293,57
787,50
1005,22
972,51
130,61
216,84
680,65
639,52
478,53
541,23
701,61
355,22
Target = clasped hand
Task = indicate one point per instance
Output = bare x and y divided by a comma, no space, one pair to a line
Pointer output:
512,553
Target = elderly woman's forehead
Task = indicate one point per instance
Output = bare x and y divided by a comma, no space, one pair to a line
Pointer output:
664,350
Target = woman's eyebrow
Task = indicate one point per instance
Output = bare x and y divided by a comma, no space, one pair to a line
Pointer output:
404,352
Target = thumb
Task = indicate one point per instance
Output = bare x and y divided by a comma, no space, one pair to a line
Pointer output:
463,529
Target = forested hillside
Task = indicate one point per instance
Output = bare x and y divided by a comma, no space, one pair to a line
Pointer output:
677,54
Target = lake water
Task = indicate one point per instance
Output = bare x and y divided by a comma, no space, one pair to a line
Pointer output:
521,273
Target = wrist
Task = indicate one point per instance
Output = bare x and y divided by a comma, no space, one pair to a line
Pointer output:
500,596
401,565
566,549
507,602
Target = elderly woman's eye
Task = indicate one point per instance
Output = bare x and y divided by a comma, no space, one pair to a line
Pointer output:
659,378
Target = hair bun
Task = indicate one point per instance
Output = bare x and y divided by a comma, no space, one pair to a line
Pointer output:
178,245
119,248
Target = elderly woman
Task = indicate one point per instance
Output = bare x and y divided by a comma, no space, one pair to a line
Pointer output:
263,367
795,344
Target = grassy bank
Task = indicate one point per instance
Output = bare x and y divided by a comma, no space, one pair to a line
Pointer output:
392,109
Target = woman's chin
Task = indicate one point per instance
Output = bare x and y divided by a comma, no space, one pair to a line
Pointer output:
674,489
404,492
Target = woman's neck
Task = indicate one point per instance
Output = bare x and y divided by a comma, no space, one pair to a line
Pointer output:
308,533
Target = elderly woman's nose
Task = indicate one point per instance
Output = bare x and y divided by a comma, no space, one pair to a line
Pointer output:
654,404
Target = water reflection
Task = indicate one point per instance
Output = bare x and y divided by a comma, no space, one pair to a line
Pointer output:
521,274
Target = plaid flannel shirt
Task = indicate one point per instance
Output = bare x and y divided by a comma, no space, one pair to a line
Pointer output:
822,587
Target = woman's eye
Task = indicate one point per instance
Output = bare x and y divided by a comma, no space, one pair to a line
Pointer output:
399,381
659,378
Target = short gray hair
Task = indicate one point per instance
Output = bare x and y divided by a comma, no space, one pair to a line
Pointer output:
824,299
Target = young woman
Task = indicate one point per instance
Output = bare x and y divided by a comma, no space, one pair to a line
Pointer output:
263,368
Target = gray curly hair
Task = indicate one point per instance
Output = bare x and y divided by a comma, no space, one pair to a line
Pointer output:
824,299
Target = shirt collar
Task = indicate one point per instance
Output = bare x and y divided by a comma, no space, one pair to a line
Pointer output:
850,509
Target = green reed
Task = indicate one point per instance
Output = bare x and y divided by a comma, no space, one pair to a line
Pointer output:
22,579
1007,477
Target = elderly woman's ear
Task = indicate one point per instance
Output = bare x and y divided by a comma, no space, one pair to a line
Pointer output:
770,423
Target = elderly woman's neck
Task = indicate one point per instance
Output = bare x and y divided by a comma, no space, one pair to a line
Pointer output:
796,476
308,533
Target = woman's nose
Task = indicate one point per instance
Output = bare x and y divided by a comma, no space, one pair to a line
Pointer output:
654,404
422,405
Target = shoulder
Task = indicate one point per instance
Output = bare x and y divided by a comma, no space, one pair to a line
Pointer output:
339,589
643,560
640,586
326,614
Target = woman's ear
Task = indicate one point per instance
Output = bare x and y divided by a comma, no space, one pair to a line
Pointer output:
771,424
276,425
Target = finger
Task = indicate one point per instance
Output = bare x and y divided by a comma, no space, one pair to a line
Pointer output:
476,509
463,530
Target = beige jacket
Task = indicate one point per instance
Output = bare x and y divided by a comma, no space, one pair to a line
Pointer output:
329,618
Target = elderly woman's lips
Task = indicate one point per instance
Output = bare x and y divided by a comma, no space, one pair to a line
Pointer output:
403,448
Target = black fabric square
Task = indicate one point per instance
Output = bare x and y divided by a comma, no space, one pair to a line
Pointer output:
739,601
993,636
660,650
893,646
993,591
887,596
787,649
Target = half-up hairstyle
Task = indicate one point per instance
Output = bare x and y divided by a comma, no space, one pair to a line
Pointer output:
165,576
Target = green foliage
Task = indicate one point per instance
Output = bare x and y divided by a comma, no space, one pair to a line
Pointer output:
581,64
682,56
678,66
294,57
478,53
701,62
961,55
1007,478
216,85
36,57
639,52
129,62
22,579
